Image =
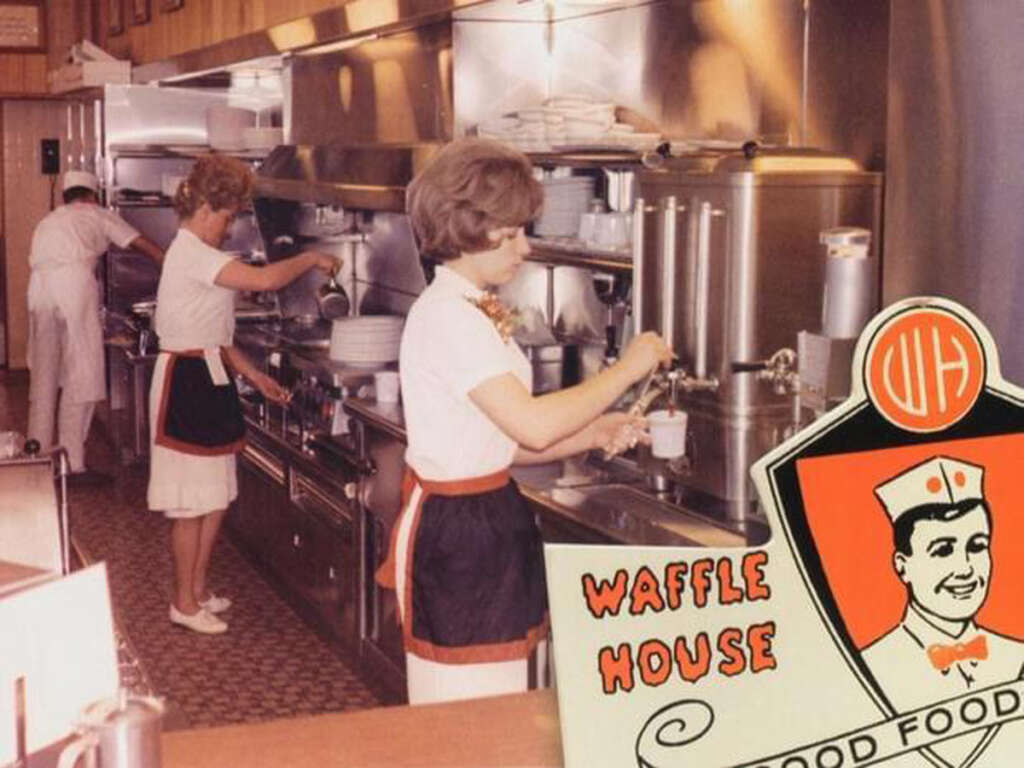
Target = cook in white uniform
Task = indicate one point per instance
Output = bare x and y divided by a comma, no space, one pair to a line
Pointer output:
65,339
466,557
942,529
192,465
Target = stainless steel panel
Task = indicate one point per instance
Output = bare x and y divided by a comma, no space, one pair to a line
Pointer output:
953,189
691,69
346,20
394,90
367,178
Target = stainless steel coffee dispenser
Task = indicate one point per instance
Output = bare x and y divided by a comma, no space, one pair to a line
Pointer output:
729,269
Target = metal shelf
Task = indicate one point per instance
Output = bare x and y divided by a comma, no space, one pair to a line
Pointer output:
189,151
575,253
593,158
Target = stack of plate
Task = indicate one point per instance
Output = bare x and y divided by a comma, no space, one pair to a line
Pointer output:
366,339
565,200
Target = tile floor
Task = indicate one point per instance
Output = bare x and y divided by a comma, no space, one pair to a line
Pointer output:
269,664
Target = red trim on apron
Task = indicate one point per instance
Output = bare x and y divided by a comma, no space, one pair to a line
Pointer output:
386,576
164,440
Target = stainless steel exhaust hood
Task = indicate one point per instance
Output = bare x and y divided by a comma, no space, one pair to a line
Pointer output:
368,178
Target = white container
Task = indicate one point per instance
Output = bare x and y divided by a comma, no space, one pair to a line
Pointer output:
668,433
386,385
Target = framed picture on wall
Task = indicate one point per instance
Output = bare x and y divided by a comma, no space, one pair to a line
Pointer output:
171,5
22,25
140,11
115,17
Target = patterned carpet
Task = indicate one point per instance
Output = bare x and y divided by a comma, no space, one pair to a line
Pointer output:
269,664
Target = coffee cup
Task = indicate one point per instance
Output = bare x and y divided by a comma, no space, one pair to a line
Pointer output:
386,386
668,433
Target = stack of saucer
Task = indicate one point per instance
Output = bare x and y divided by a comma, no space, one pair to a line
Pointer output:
366,339
565,200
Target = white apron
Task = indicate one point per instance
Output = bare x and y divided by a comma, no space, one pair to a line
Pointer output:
71,291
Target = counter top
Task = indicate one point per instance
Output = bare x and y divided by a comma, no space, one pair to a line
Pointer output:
515,730
616,506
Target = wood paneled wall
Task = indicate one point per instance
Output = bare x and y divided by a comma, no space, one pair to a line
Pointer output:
197,24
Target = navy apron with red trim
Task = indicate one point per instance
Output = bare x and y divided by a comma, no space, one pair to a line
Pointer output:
474,572
196,415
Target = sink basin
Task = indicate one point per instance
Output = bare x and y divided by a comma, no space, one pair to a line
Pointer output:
633,516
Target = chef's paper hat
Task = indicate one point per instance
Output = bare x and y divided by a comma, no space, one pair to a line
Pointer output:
81,179
940,480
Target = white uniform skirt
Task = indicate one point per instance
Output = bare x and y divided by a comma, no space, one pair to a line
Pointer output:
182,484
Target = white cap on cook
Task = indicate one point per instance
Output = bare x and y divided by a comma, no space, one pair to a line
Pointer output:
81,179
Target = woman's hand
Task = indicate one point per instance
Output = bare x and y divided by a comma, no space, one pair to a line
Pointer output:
644,353
325,262
270,388
618,431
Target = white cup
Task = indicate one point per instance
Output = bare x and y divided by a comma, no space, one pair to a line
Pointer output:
612,229
668,433
385,384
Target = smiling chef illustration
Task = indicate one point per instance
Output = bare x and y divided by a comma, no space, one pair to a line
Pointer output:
942,528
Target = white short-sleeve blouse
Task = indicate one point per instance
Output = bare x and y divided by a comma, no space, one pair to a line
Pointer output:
192,311
449,346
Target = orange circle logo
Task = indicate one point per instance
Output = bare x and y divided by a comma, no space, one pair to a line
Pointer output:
924,369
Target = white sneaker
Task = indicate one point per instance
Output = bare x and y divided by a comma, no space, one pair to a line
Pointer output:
201,621
215,604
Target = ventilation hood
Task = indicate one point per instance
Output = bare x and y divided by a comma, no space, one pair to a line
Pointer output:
364,177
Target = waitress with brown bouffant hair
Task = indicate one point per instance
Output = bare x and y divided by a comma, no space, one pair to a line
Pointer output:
466,557
196,422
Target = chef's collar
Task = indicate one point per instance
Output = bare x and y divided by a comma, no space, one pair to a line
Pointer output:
927,633
457,282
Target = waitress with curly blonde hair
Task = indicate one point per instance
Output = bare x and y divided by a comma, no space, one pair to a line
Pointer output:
196,422
466,557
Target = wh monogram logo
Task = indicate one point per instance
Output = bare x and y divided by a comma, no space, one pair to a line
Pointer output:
924,369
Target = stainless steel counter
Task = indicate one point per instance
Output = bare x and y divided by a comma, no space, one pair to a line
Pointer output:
605,501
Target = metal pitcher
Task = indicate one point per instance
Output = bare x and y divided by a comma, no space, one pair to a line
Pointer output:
122,733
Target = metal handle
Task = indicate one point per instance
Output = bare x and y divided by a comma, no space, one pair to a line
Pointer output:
639,211
703,281
668,249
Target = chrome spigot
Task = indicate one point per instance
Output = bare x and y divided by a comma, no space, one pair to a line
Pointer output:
779,371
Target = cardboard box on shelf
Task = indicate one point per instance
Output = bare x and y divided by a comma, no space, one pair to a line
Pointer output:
88,74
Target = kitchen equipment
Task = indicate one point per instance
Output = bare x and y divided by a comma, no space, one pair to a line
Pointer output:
34,509
225,126
332,300
555,366
850,282
728,268
366,339
124,733
668,433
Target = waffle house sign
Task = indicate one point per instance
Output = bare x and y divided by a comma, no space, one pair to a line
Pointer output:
881,624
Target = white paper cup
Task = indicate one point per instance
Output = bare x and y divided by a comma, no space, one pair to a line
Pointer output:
668,433
385,384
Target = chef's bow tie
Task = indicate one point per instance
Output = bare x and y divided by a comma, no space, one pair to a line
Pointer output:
943,657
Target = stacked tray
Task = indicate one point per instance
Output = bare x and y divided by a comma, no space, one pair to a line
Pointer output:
366,339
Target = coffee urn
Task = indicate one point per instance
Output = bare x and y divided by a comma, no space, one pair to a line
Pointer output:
728,269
